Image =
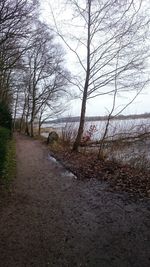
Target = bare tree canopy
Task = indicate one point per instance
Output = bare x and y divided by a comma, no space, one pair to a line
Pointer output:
44,78
32,75
106,31
16,17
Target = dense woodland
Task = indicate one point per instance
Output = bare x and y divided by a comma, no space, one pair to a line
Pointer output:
32,73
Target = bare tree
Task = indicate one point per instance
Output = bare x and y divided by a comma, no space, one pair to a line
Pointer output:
46,78
15,23
50,111
106,28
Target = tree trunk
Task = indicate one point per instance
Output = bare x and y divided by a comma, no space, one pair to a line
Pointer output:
15,110
27,127
32,130
85,92
39,131
33,114
40,124
21,120
82,119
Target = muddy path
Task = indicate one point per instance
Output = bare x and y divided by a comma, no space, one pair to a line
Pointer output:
53,219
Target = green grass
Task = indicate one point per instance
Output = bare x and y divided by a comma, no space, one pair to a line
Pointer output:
4,139
9,168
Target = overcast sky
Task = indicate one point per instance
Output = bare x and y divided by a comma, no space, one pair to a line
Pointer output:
98,105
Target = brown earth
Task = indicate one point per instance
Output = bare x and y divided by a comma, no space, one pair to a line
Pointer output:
53,219
119,176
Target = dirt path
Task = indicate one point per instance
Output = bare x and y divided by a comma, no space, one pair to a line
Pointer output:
52,219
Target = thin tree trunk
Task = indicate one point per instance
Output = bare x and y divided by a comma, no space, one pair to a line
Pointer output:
32,130
40,123
21,120
15,111
82,119
100,154
27,126
33,115
39,130
84,100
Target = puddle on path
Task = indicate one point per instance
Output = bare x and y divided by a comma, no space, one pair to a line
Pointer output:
65,172
68,174
52,159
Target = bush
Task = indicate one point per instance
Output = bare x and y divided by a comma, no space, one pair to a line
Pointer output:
4,138
9,170
5,116
69,133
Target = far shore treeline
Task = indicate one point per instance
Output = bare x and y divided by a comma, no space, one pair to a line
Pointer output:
100,118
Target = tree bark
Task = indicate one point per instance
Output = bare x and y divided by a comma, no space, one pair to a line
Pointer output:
82,119
84,100
27,127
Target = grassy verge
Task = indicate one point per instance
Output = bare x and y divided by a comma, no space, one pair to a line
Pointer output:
9,170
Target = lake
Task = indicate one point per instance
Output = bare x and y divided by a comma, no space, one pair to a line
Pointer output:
125,127
133,151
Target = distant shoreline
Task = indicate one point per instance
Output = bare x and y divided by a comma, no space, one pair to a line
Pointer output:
99,118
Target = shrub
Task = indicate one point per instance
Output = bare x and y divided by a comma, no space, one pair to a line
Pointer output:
5,116
69,133
9,170
4,138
